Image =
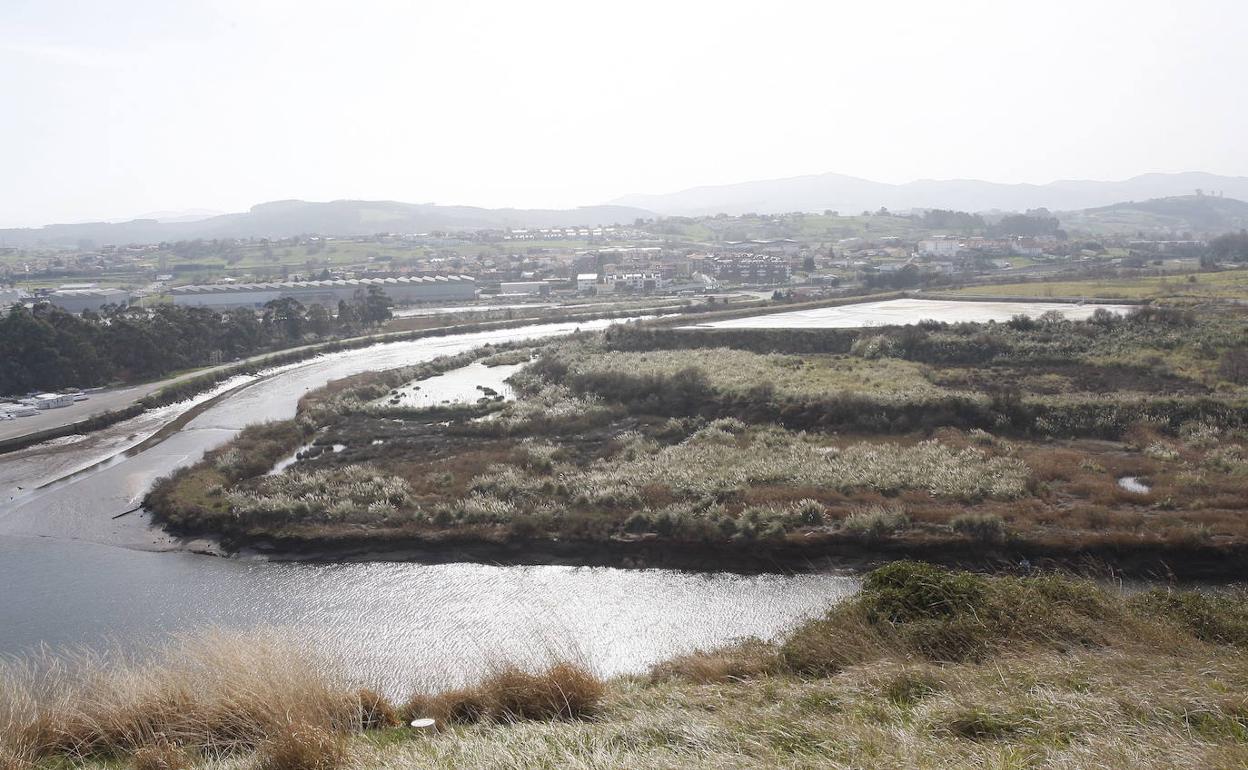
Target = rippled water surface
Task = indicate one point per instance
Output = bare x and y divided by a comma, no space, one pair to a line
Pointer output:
395,622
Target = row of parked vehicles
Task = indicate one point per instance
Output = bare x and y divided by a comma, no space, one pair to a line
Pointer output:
34,403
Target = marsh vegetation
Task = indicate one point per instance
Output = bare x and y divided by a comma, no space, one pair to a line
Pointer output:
1011,436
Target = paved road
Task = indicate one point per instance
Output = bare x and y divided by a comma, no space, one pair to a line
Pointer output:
98,403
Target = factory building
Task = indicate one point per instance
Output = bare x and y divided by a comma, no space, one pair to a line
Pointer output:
78,300
404,291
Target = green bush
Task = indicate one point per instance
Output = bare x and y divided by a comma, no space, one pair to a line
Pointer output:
1218,618
913,608
876,522
983,527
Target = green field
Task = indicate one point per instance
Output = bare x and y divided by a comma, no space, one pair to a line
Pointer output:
1229,284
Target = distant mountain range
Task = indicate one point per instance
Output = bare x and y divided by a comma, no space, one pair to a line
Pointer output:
1165,203
852,195
284,219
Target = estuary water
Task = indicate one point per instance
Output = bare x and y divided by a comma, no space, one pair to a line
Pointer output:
80,568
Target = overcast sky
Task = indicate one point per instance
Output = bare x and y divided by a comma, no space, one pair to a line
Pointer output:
112,109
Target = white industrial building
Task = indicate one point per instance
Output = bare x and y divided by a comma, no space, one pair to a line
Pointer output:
78,300
405,290
521,288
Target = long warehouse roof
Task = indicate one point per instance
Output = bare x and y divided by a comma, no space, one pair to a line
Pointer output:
345,283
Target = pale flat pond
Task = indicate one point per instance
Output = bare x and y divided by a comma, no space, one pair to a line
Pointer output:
901,312
464,385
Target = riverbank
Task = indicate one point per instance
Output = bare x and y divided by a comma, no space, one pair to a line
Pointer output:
847,555
924,668
152,395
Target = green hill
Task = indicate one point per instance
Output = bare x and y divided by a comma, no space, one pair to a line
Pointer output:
1197,215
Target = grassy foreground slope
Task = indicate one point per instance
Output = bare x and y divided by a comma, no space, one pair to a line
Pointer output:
924,668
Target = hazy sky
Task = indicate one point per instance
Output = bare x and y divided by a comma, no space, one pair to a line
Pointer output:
110,109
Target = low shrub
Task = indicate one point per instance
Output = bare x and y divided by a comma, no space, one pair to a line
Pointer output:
876,522
919,609
1218,618
982,527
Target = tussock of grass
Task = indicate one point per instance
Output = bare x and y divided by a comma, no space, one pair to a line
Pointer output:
747,659
1215,618
920,610
304,747
511,694
217,694
160,756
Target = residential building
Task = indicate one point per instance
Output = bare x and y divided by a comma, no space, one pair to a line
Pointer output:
751,269
940,246
586,282
644,281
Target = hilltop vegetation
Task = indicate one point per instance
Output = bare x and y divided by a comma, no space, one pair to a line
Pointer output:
735,446
1203,214
283,219
924,668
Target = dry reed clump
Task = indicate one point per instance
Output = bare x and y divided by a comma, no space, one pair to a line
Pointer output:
876,521
303,747
353,493
744,660
511,694
714,463
375,711
216,694
160,756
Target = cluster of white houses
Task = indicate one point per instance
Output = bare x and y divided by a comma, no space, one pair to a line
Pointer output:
404,290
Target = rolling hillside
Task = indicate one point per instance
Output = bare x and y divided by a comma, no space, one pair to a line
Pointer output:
341,218
1201,215
852,195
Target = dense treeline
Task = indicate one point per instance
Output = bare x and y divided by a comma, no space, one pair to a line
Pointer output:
1231,247
46,348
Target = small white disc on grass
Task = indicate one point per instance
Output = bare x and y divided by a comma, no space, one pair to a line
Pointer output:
423,724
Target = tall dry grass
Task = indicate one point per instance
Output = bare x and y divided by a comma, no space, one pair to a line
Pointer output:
214,694
258,694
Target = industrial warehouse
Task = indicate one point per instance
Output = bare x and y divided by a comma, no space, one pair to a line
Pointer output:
405,290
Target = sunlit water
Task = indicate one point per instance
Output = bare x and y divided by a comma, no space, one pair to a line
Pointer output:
900,312
463,385
71,574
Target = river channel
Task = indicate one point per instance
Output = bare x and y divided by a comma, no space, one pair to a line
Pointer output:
72,575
